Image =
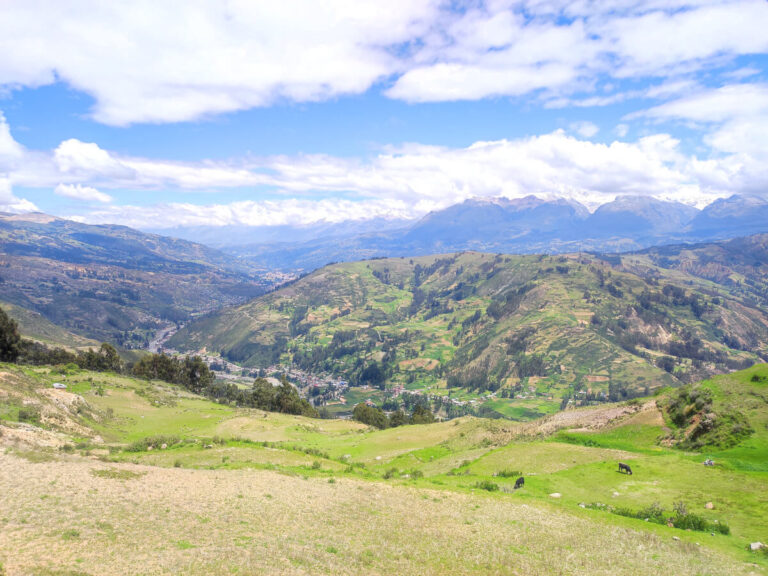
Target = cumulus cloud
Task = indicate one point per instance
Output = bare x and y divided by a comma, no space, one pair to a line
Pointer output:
10,150
10,203
88,159
175,61
84,193
410,180
178,61
715,105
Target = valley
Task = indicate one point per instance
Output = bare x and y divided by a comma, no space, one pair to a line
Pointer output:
512,336
114,283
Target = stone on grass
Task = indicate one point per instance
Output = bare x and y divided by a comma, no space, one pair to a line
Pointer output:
709,506
555,495
755,546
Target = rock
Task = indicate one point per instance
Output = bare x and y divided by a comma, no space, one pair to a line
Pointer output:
555,495
675,538
150,448
378,457
615,494
164,446
709,506
582,505
755,546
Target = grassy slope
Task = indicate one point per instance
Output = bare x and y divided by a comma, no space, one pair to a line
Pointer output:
246,505
565,293
36,327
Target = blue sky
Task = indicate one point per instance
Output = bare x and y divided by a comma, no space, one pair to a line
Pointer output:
181,114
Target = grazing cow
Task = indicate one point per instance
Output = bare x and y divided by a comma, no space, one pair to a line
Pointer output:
519,483
625,468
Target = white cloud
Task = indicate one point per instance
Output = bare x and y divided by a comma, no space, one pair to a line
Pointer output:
10,203
10,150
716,105
175,61
87,159
178,61
84,193
250,213
737,118
413,179
585,129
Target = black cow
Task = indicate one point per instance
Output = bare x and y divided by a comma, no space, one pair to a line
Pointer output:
625,468
519,483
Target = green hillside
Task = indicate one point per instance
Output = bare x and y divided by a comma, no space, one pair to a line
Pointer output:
36,327
523,335
175,483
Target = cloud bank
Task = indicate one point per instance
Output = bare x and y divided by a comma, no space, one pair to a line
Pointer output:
176,61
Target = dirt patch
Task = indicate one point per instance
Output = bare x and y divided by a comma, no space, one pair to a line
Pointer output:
422,363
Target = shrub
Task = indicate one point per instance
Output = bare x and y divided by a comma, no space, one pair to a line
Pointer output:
486,485
29,414
506,473
390,473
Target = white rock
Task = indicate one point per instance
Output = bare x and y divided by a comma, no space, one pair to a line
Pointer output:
164,446
709,506
555,495
755,546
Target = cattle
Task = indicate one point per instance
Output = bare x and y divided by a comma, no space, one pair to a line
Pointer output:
519,483
625,468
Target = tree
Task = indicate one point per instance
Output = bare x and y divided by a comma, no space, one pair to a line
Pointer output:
371,415
422,415
10,340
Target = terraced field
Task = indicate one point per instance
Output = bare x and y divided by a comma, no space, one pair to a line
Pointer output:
521,335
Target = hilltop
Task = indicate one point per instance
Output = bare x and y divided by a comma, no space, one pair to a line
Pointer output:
173,482
537,333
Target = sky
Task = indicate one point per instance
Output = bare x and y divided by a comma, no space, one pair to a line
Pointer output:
160,115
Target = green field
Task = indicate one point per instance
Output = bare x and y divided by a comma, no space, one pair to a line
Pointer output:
423,486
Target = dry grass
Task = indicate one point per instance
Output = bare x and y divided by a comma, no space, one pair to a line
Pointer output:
59,517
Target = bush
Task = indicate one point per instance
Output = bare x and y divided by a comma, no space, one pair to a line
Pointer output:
29,414
390,473
506,473
486,485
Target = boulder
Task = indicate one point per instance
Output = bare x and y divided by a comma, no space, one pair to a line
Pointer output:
755,546
555,495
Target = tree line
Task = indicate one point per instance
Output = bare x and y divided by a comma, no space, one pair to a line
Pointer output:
190,372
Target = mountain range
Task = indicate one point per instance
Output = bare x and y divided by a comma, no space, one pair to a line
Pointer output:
525,226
